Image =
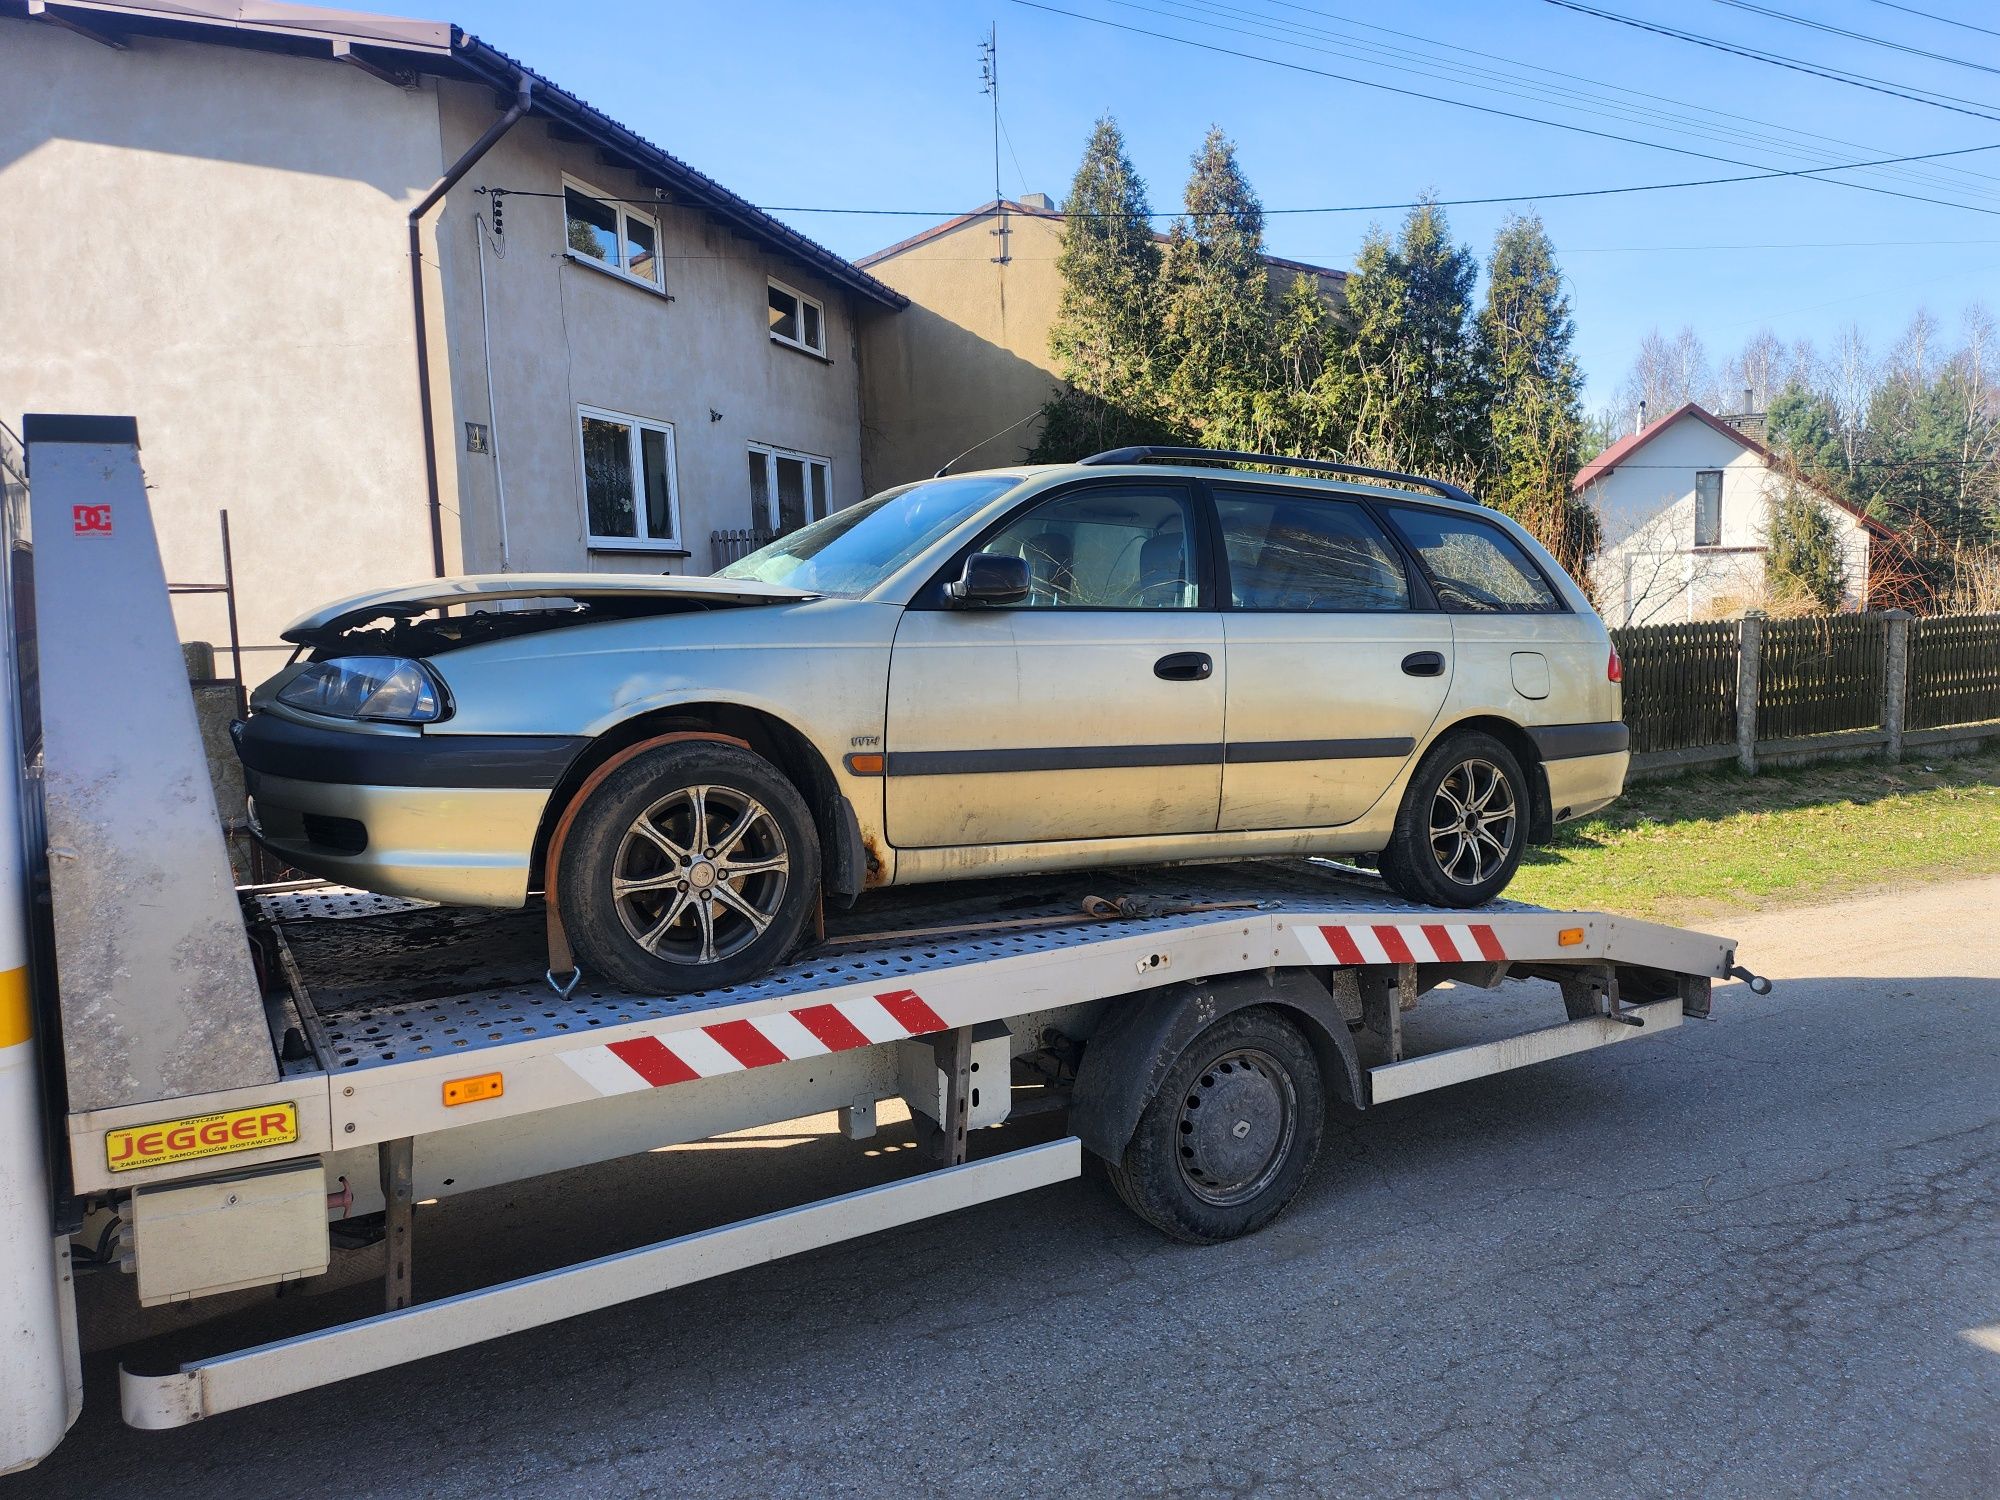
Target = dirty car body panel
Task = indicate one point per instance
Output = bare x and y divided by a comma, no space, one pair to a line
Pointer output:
1175,686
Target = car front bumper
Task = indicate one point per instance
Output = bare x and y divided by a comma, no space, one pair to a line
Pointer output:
438,817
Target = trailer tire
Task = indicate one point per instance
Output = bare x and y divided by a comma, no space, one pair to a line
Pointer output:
697,842
1207,1178
1474,776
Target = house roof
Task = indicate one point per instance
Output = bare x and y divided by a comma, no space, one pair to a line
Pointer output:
1621,451
400,50
1014,206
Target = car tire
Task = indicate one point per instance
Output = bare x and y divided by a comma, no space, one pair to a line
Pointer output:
1472,785
692,866
1204,1178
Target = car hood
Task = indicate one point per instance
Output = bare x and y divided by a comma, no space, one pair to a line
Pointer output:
475,588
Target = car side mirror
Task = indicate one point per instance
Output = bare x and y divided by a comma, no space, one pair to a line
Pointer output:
990,578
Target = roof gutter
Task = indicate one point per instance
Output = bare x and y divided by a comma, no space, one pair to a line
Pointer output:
523,89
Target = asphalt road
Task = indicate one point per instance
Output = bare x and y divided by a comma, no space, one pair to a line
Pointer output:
1756,1257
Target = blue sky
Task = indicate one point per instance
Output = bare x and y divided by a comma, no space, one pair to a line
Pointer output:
876,104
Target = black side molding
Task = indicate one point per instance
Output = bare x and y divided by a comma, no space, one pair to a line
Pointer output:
1573,741
275,746
1263,752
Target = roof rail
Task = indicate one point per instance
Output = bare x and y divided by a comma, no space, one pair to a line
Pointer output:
1275,460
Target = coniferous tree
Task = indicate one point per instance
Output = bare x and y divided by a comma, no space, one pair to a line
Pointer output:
1216,319
1408,383
1105,336
1805,571
1536,394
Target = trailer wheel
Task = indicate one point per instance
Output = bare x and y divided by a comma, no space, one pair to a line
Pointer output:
694,865
1229,1137
1463,824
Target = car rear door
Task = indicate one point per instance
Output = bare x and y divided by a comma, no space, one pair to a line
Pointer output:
1092,709
1338,660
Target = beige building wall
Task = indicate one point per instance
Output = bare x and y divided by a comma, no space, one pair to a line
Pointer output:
562,332
968,356
212,239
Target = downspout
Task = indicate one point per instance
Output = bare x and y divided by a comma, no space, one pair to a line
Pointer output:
523,87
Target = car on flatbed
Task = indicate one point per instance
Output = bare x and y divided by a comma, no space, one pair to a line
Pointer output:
1122,661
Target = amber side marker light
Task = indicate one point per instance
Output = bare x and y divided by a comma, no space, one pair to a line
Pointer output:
472,1090
866,765
1569,937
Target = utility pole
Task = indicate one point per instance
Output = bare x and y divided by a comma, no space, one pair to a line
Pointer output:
989,80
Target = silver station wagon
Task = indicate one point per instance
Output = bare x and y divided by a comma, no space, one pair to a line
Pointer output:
1137,659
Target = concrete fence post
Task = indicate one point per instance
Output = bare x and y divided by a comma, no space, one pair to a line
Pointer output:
1895,679
1750,647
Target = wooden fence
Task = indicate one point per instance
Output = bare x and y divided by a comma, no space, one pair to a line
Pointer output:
1954,670
1820,676
1834,684
1680,684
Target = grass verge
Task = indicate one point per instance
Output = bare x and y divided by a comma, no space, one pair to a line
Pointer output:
1712,844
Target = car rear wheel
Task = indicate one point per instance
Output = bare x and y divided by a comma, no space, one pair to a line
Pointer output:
1462,826
693,865
1227,1141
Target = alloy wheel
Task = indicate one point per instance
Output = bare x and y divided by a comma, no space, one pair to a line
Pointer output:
700,874
1474,820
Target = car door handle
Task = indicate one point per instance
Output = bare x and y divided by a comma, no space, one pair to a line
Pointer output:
1424,664
1184,666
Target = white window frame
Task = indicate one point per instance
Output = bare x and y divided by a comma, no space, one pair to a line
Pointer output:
803,300
622,212
643,542
771,454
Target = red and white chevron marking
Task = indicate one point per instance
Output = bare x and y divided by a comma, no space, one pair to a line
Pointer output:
648,1062
1402,943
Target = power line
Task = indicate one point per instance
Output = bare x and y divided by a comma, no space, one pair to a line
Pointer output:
1488,109
1343,208
1595,85
1855,36
1929,15
1680,117
1915,95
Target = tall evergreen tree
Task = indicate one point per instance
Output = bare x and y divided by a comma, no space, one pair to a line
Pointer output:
1105,327
1536,390
1216,319
1408,383
1805,571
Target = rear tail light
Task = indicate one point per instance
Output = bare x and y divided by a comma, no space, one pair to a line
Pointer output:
1614,669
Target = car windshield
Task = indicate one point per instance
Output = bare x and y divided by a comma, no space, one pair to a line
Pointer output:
851,551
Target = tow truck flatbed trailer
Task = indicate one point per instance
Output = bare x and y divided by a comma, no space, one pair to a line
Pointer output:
381,1051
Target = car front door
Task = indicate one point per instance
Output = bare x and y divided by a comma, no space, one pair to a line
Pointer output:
1337,660
1090,709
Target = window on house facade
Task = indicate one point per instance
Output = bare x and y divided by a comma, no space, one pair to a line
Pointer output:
1708,508
797,319
630,496
612,235
788,489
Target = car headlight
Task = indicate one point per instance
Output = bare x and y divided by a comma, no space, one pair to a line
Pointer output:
366,687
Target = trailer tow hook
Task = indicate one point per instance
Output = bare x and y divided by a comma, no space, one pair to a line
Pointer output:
1759,985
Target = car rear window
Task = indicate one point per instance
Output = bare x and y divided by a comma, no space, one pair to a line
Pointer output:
1294,552
1476,567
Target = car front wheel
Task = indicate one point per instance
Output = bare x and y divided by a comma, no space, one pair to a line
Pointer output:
1462,825
693,865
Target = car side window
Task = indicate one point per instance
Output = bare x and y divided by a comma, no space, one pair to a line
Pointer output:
1299,552
1106,547
1477,567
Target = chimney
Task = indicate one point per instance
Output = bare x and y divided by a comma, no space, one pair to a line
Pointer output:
1041,201
1748,408
1642,417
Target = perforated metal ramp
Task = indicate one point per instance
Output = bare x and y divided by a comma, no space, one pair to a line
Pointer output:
406,982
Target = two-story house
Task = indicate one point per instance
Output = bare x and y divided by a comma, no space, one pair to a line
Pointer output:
210,216
1685,505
